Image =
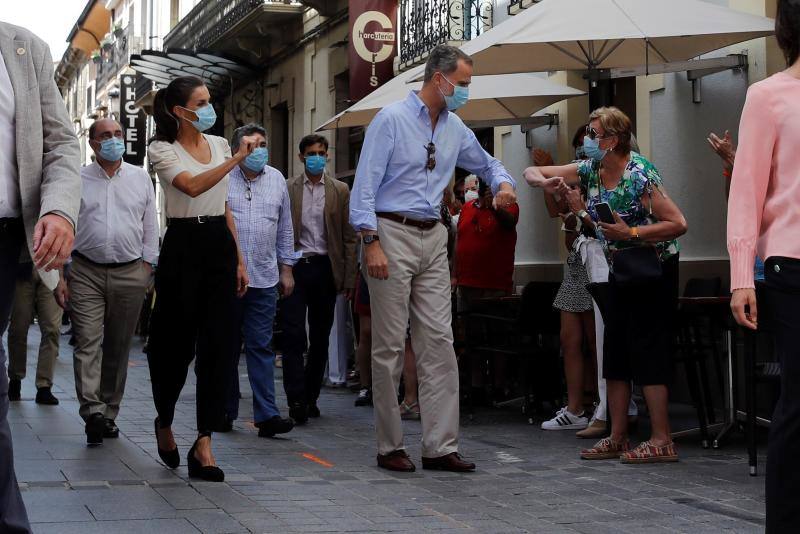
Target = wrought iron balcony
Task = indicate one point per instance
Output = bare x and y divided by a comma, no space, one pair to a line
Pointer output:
326,8
425,24
515,6
116,57
243,26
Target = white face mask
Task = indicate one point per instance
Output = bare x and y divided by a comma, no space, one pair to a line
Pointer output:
470,195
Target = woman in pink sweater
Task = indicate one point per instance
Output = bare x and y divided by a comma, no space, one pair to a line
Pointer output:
764,219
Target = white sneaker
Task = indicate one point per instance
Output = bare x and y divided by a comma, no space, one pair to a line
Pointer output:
566,420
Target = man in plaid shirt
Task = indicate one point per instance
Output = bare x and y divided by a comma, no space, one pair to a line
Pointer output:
259,201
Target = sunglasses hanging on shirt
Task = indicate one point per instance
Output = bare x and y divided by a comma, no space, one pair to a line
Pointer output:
431,163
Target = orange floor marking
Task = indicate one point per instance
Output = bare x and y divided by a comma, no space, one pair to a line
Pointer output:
320,461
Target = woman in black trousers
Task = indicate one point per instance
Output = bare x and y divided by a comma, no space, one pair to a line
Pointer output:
762,219
200,270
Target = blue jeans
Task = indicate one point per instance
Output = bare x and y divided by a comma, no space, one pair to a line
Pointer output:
255,314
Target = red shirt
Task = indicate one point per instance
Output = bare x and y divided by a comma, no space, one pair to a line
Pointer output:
485,249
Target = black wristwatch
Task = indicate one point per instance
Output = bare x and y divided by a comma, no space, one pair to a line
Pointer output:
369,239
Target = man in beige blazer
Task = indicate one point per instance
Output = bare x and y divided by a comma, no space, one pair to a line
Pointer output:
40,194
322,234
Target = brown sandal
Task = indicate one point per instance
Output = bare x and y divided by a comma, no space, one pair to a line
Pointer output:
605,449
409,411
647,453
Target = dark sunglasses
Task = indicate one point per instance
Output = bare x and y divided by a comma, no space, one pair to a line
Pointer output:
592,134
431,163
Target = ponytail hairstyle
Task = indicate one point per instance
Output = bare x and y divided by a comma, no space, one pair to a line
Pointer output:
787,29
177,93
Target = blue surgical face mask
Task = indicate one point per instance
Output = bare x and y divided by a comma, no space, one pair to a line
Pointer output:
111,149
206,117
592,150
256,160
459,97
315,164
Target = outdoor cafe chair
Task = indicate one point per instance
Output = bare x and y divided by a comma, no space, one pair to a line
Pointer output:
526,330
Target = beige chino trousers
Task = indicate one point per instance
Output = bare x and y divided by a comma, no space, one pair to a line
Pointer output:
418,288
32,296
104,309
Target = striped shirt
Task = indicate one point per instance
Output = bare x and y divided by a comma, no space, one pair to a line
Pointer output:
264,223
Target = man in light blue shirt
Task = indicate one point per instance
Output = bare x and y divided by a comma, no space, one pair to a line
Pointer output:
409,156
259,202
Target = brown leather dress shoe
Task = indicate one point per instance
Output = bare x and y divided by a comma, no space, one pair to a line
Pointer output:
448,462
396,461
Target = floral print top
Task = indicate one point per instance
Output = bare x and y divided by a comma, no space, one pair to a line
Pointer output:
640,179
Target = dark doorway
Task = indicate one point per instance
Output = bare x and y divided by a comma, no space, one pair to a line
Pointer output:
279,139
348,141
619,92
624,97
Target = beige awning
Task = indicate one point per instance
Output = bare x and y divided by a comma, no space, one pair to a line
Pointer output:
596,34
494,100
93,24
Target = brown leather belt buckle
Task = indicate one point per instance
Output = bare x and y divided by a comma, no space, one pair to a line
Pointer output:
423,225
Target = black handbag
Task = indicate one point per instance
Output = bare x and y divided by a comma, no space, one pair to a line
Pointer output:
636,265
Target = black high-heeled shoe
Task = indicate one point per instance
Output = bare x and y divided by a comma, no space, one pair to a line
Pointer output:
210,473
171,459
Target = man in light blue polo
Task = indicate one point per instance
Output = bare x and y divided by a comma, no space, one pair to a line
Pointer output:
409,155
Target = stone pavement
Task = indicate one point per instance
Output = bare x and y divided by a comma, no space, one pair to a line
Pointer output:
322,477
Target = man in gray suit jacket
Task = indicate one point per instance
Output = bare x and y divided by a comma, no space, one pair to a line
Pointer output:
40,193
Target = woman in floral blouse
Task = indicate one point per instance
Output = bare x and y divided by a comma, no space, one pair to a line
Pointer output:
639,316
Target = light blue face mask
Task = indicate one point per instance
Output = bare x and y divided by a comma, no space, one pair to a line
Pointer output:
112,149
315,165
459,97
591,148
206,117
256,160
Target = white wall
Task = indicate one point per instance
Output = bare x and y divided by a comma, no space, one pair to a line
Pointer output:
537,236
538,239
692,172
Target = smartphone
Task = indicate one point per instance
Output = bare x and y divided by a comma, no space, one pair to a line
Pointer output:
604,212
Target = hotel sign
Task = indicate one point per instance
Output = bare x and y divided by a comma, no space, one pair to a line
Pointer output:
133,121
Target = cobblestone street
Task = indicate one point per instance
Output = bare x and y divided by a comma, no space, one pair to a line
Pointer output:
322,477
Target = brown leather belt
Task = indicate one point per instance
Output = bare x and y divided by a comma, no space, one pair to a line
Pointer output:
424,225
77,254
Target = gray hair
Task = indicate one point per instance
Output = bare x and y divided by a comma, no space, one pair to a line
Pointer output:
444,59
247,129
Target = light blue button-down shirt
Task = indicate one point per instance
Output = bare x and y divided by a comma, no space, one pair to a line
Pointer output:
392,174
264,224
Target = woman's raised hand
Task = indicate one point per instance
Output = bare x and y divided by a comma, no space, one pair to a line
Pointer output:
247,144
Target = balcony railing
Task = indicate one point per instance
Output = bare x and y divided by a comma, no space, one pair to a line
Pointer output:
425,24
117,57
210,20
515,6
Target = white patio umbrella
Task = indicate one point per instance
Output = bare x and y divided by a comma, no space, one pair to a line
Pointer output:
494,100
598,34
